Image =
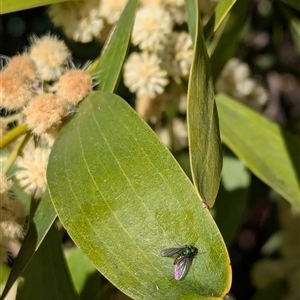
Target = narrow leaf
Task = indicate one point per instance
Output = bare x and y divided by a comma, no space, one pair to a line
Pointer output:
225,42
108,70
47,276
8,6
42,221
294,24
191,9
221,11
203,126
269,151
123,198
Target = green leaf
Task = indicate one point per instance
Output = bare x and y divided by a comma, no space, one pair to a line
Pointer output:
8,6
221,11
110,64
232,198
294,24
4,273
228,37
191,10
80,267
203,125
292,3
42,221
269,151
47,275
123,198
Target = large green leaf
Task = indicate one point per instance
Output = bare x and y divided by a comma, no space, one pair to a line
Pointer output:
47,275
203,125
8,6
123,198
109,66
42,221
269,151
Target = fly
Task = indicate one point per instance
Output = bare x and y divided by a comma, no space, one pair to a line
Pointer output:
183,260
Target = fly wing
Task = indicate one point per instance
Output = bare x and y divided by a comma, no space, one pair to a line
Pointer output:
181,267
171,251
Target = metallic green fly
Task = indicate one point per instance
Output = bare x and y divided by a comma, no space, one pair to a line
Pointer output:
183,260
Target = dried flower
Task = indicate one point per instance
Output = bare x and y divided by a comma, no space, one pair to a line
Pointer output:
74,85
152,28
50,56
24,64
44,111
31,171
143,75
15,89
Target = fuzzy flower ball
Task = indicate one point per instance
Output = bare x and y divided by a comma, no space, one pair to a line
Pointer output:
143,75
111,10
235,81
74,85
152,28
43,112
50,56
15,89
24,64
31,171
80,20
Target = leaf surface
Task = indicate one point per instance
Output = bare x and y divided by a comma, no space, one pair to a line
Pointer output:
203,124
269,151
123,198
8,6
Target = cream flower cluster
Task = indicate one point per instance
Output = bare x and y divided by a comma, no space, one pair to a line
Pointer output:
40,85
38,89
12,218
160,63
42,90
235,81
162,53
85,20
